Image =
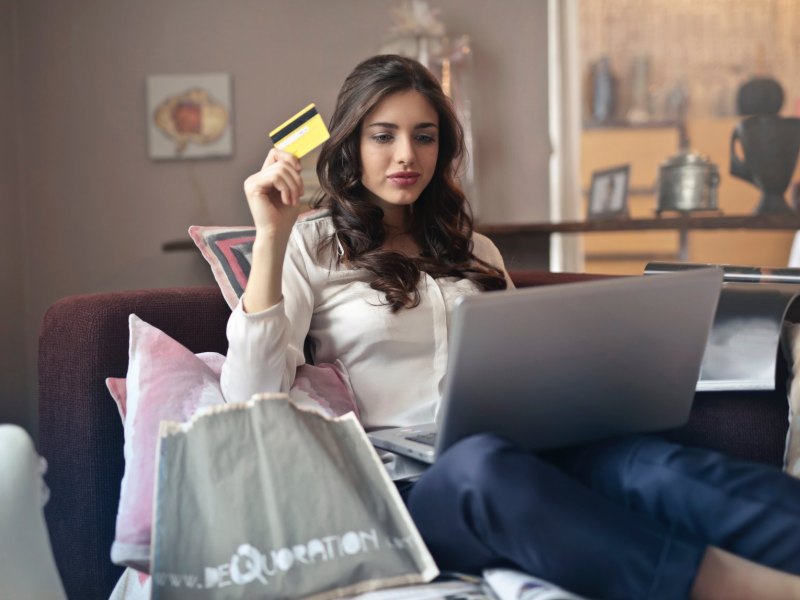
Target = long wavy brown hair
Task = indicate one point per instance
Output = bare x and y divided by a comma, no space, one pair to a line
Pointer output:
441,224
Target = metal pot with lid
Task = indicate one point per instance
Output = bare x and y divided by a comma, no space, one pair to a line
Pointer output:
687,181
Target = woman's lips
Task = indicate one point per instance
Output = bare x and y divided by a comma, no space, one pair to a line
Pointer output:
404,179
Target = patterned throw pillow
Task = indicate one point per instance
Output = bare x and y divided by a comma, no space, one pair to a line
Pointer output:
229,251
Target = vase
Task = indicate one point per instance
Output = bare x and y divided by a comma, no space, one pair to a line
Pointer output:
603,91
770,145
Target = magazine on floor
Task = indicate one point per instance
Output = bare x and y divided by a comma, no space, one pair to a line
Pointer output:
496,584
507,584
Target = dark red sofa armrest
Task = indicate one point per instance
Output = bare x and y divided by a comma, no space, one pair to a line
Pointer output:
83,340
526,278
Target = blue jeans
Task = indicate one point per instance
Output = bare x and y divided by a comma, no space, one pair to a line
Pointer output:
624,518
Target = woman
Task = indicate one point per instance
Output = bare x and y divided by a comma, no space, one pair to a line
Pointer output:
371,282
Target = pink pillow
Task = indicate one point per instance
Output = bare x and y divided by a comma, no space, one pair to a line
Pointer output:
325,389
119,392
166,382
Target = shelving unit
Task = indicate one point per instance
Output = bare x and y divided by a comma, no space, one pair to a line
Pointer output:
526,246
626,251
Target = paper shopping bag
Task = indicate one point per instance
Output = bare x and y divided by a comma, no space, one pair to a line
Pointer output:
267,500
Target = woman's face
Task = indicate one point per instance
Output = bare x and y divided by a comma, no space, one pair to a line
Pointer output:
399,147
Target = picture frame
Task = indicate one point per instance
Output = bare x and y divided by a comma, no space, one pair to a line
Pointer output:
189,116
608,195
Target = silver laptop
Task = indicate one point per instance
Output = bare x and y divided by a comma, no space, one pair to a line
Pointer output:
565,364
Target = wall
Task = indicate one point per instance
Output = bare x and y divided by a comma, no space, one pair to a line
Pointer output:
13,405
711,45
95,210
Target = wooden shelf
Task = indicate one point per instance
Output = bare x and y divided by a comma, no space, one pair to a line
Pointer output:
589,125
527,245
749,222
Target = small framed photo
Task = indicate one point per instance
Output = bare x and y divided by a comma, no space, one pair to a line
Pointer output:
189,116
608,196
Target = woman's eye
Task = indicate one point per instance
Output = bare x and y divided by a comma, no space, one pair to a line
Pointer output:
424,138
382,138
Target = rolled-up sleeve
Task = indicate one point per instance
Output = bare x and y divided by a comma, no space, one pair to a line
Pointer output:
265,348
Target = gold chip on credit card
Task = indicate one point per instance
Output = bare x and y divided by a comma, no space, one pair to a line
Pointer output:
302,133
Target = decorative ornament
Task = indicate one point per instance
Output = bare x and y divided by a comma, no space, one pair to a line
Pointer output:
416,32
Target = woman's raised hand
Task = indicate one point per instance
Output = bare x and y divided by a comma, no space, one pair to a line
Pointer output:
273,194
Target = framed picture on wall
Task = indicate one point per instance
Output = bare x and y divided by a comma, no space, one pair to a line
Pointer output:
608,196
189,116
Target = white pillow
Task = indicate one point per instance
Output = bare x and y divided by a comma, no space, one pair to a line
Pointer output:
791,456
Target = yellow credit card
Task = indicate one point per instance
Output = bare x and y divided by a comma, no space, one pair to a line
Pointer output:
302,133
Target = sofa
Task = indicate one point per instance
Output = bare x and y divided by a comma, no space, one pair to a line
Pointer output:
84,339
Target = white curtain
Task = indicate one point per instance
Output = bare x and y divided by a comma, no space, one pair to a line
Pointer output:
566,250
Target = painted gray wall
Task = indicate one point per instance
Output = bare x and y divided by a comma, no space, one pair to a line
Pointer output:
84,209
13,405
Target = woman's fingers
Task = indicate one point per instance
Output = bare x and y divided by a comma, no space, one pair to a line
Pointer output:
276,155
280,166
288,190
290,184
294,182
279,176
273,194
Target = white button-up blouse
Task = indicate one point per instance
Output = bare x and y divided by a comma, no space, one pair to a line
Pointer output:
396,362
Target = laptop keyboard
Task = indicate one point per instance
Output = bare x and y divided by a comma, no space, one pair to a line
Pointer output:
429,439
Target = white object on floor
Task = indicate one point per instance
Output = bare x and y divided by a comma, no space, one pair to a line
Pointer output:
438,590
794,253
27,568
133,585
508,584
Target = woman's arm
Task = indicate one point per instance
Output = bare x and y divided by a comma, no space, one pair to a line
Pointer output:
263,337
266,347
